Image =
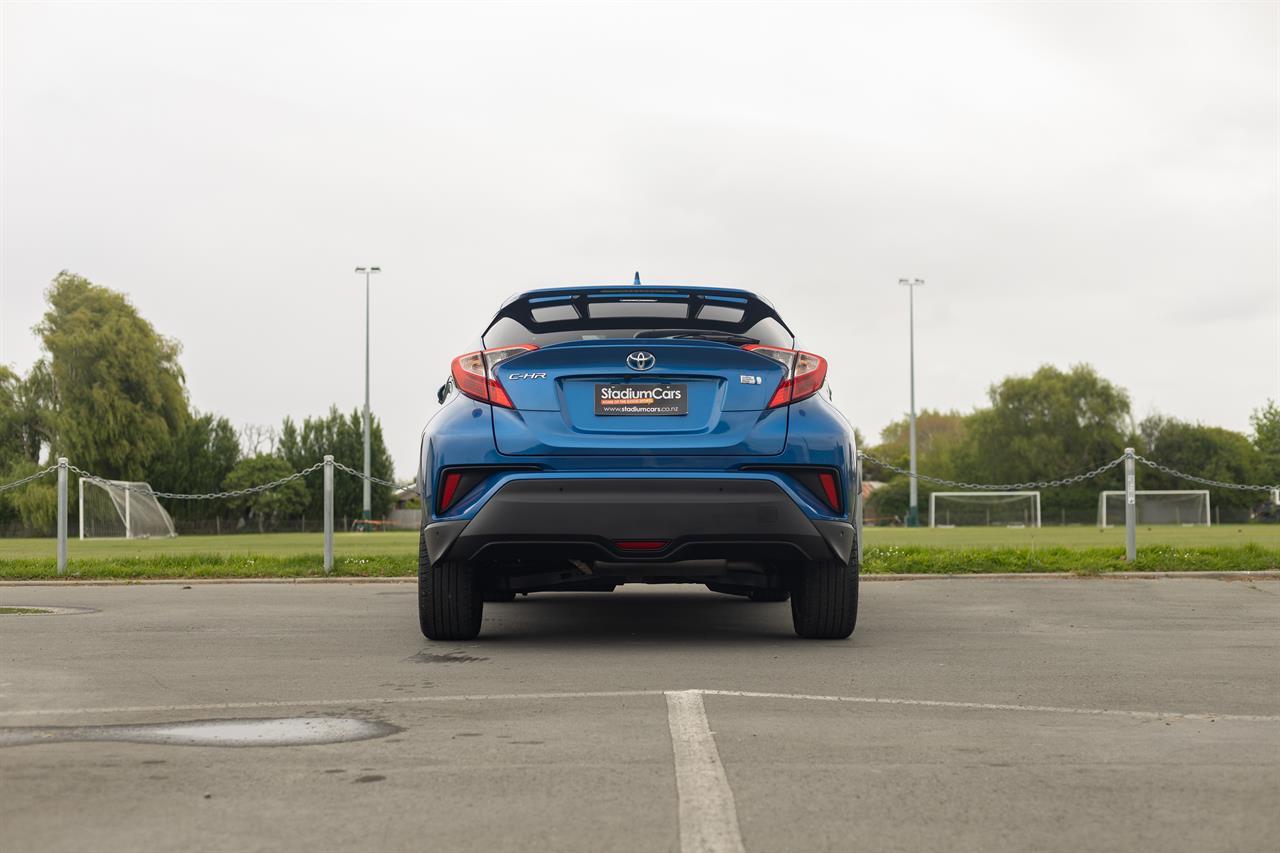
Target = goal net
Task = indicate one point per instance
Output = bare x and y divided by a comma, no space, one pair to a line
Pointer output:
121,509
984,509
1190,507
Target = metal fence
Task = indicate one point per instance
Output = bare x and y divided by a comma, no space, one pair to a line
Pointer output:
1129,460
63,467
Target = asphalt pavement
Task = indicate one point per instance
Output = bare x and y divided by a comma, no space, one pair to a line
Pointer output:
987,715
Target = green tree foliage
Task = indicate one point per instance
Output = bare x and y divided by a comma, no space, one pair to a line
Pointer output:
118,397
24,415
938,434
342,436
1047,425
35,504
1266,438
198,459
12,446
266,509
1037,427
1206,451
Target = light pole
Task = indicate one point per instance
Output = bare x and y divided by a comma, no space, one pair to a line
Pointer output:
913,507
368,503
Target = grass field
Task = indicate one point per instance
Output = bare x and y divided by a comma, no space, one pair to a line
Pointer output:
888,550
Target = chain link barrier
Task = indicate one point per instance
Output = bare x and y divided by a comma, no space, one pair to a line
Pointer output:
203,496
997,487
372,479
36,476
867,457
1151,463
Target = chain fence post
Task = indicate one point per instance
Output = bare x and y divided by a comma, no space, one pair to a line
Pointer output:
62,515
857,517
328,514
1130,506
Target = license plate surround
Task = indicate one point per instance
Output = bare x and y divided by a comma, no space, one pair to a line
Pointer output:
636,399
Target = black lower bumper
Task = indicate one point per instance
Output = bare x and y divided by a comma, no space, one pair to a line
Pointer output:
732,518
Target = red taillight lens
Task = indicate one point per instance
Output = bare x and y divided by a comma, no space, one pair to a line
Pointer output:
805,374
475,373
449,488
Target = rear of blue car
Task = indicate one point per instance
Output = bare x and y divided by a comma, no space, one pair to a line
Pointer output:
601,436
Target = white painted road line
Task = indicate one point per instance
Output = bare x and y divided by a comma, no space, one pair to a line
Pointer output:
708,817
984,706
607,694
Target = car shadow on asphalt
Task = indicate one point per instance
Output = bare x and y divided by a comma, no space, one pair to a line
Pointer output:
621,617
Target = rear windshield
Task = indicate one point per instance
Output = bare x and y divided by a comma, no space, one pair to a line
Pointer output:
547,320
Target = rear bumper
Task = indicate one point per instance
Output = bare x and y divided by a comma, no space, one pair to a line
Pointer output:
740,517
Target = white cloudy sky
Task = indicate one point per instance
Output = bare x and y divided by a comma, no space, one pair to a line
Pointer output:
1076,182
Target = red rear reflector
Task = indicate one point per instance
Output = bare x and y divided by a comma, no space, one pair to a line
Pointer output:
449,489
641,544
830,490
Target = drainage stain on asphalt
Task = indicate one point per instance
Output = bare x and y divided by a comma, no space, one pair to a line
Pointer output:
447,657
275,731
373,778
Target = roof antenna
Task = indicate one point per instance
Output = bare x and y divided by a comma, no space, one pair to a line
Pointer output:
636,283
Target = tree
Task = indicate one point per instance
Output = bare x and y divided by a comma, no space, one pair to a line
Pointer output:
197,460
24,415
342,436
266,508
23,432
1044,426
1204,451
12,446
1266,438
118,395
35,504
938,434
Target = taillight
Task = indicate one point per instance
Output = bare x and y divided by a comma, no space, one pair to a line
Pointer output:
805,374
475,373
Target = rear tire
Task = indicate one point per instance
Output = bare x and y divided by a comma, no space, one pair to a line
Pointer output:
450,602
824,600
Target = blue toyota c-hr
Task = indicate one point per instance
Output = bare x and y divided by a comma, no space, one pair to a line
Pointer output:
606,435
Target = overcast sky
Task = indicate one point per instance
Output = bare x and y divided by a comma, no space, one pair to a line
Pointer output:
1075,182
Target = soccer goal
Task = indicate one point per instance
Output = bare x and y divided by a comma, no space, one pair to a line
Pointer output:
1167,506
121,509
984,509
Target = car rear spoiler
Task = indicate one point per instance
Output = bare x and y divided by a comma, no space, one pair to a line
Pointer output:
754,308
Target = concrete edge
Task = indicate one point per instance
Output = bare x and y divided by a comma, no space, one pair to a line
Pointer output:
1269,574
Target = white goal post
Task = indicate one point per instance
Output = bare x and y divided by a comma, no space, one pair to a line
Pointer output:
1185,507
121,509
986,509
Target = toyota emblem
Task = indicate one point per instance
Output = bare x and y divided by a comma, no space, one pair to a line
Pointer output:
641,360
